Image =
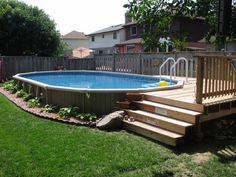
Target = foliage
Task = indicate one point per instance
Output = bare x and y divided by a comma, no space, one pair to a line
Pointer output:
50,108
181,41
20,93
87,116
153,15
27,96
27,30
68,112
34,102
159,14
10,86
30,146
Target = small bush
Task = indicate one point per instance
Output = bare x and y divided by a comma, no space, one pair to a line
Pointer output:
34,102
68,112
20,93
50,108
27,96
87,116
10,86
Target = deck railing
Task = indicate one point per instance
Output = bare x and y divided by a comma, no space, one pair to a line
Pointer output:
216,77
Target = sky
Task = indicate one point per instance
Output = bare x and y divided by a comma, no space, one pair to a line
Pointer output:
82,15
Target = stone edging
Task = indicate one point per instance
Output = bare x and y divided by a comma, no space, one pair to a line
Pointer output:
36,111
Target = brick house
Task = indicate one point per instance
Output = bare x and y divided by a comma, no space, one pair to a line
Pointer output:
196,30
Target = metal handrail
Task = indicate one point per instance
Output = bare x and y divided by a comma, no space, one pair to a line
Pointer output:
173,67
162,65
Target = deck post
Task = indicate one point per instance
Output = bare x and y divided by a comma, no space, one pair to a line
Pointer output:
199,83
198,130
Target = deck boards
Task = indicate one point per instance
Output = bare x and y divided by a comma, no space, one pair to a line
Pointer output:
187,93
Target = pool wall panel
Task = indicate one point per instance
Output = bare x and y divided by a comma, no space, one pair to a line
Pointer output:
99,103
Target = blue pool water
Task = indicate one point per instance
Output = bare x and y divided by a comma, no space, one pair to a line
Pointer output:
94,80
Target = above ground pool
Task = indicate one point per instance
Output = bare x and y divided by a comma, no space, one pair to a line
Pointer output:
93,91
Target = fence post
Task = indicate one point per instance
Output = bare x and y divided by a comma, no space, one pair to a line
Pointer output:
199,83
94,62
114,62
141,63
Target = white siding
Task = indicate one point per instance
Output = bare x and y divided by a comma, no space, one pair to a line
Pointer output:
107,41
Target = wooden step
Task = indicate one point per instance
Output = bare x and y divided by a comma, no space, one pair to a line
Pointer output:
174,102
153,132
160,121
169,111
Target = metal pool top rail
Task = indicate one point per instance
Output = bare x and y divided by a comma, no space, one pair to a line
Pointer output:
20,77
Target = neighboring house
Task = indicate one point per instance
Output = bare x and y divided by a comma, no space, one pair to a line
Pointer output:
104,41
76,39
195,30
133,38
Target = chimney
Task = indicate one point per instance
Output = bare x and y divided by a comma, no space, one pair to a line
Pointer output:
128,18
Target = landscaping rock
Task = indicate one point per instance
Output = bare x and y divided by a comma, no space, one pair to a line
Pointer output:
111,121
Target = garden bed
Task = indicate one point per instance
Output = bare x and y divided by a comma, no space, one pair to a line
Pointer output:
46,115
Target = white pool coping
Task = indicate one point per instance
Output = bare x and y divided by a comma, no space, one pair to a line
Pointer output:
180,83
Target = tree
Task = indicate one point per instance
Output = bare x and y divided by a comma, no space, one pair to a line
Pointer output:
26,30
160,14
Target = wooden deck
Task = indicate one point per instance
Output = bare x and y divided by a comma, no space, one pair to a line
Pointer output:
187,94
168,115
186,98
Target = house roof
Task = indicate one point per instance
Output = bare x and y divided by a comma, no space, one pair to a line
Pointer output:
74,35
108,29
130,23
131,41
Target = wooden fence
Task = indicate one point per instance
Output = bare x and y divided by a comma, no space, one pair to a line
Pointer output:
148,64
143,63
216,77
14,65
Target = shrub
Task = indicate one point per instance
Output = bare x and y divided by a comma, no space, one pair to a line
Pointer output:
27,96
68,112
50,108
34,102
10,86
87,116
20,93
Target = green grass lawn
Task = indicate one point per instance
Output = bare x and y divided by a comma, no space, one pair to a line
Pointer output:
31,146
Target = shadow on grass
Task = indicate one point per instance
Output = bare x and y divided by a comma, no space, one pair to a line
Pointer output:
164,174
224,149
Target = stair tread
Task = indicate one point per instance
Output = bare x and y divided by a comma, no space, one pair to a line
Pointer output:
162,118
155,129
173,108
185,103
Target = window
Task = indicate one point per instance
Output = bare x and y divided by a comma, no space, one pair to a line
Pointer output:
130,48
93,38
133,30
115,35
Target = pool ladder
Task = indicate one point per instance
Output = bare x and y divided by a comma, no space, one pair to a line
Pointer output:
173,66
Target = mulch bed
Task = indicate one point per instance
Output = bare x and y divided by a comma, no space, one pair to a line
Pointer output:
37,111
